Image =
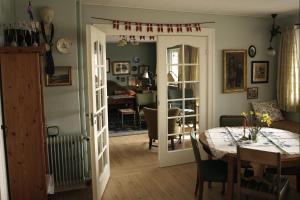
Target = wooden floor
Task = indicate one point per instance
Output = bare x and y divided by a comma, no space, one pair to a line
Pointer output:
135,175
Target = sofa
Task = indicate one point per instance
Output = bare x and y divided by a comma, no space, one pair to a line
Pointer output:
278,120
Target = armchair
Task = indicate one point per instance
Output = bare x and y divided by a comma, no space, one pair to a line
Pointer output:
151,120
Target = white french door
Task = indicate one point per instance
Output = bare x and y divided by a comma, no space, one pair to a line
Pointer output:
182,82
97,109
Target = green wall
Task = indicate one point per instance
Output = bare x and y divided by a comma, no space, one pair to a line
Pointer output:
146,52
232,32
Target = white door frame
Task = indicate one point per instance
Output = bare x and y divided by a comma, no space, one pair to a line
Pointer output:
97,123
205,32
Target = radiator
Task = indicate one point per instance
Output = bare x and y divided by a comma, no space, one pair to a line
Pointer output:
66,161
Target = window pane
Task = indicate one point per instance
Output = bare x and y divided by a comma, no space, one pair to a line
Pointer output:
174,142
175,73
174,55
191,107
175,91
191,55
174,125
192,90
191,72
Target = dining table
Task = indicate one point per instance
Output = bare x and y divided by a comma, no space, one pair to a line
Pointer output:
221,143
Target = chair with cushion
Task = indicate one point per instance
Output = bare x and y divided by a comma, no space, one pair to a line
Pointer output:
151,120
232,120
260,183
207,170
142,100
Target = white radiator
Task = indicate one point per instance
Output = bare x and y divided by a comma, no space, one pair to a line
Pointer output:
66,161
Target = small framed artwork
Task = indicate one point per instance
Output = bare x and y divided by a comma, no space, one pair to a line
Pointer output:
252,93
121,67
235,70
107,65
260,72
132,80
252,51
61,77
143,69
134,70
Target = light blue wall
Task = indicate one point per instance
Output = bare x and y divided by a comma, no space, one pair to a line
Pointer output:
146,52
61,103
232,32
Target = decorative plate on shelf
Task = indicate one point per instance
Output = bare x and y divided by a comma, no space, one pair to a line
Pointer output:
64,45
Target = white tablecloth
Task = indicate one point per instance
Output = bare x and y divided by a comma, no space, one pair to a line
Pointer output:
221,142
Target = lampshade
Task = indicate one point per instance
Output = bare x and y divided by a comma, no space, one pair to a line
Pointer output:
146,75
271,51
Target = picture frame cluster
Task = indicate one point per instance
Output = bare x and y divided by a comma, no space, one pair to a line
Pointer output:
235,71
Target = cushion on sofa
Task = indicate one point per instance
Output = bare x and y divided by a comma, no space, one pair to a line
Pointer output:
269,107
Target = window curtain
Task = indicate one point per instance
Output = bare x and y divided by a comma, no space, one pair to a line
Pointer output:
288,85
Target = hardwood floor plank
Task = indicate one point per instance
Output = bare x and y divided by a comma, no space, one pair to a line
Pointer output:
136,175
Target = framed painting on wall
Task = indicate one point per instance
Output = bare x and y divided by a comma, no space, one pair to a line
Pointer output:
260,71
235,70
61,77
121,67
252,93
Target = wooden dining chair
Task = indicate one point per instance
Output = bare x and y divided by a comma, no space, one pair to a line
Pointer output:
207,170
232,120
261,185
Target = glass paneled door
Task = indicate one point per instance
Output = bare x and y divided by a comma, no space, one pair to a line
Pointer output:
97,110
182,83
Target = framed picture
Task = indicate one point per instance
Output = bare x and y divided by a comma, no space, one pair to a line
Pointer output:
121,67
260,72
143,69
107,65
132,80
252,51
252,93
134,70
235,70
61,77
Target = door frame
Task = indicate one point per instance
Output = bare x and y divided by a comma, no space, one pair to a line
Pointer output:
205,32
91,115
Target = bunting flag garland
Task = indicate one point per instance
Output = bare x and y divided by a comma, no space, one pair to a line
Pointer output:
189,27
142,37
149,28
170,28
138,27
151,37
160,28
116,24
127,26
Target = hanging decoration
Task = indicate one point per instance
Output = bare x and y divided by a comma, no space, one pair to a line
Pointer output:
189,27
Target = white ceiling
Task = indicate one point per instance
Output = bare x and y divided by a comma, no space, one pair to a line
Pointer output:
256,8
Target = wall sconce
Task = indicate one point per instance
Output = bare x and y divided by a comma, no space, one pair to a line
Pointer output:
274,31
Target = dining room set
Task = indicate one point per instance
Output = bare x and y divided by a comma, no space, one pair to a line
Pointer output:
248,156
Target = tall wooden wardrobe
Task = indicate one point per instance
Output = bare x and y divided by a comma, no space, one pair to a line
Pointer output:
23,121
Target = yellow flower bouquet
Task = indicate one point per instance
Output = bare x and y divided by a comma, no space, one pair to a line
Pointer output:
255,121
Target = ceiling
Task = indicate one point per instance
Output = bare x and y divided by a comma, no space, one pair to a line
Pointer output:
255,8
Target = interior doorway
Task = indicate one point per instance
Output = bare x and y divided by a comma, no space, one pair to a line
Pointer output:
131,83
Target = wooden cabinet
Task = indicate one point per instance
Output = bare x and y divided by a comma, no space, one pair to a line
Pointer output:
23,122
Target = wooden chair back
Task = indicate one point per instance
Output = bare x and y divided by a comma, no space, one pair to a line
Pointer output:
196,150
232,120
264,159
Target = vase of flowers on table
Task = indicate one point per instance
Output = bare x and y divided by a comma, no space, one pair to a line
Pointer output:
255,121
